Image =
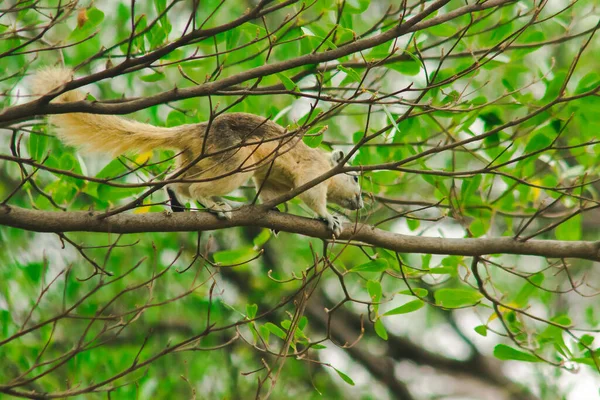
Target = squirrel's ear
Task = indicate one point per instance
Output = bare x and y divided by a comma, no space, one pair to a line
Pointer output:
337,156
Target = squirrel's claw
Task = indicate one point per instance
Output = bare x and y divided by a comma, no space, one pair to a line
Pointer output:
334,224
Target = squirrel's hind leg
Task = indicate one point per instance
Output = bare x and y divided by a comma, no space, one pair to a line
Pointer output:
220,208
206,193
267,191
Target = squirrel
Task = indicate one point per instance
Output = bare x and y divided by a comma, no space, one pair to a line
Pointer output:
237,147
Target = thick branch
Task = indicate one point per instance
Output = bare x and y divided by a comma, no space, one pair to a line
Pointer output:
49,221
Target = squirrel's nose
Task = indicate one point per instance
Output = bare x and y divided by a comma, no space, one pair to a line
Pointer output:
359,201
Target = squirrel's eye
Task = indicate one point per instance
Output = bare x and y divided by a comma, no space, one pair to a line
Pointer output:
355,178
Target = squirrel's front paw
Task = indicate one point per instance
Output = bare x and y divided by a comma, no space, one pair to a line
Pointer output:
334,224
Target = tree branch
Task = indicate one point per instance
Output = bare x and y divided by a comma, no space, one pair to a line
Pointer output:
84,221
417,22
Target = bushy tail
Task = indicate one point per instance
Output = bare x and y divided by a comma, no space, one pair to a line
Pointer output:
97,132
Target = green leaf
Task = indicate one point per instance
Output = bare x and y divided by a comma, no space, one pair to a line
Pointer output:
586,360
231,38
314,136
554,86
175,118
344,35
588,82
455,298
156,36
317,40
425,261
477,101
302,323
68,162
443,30
157,76
236,256
539,141
413,223
264,333
37,146
442,270
479,227
585,340
492,144
481,329
62,190
275,330
357,136
122,13
563,320
410,67
384,178
570,229
345,377
392,120
590,316
452,261
504,352
420,292
262,238
287,82
469,186
380,330
94,18
554,334
356,6
490,119
112,169
556,125
535,37
406,308
351,73
251,310
528,289
377,265
374,289
164,23
33,271
160,5
6,322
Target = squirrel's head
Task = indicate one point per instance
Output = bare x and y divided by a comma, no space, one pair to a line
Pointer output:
344,189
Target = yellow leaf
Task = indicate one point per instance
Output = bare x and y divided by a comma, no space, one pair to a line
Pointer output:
536,191
142,158
142,210
502,310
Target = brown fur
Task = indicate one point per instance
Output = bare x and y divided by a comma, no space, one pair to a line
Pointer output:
238,146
